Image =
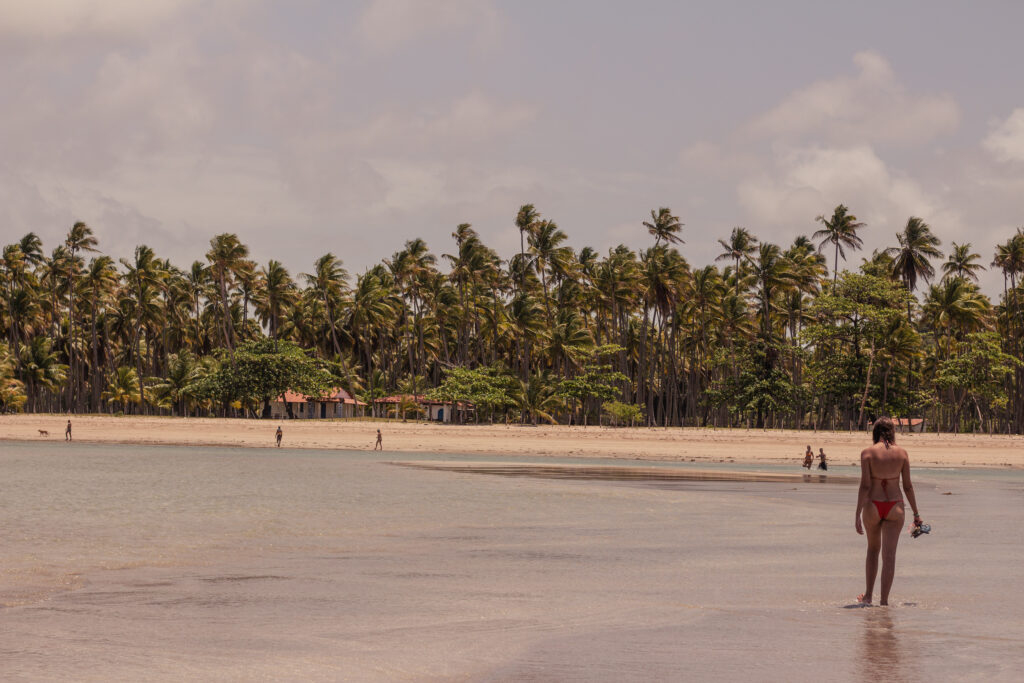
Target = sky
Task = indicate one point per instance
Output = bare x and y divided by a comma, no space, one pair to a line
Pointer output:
350,127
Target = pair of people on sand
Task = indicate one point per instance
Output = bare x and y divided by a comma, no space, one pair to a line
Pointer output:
809,458
280,434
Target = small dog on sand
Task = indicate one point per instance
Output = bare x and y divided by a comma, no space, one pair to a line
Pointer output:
43,432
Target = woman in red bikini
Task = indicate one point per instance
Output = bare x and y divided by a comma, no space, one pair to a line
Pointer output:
880,511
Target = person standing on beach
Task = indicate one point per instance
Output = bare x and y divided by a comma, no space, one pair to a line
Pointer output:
880,512
279,435
379,446
67,432
823,465
809,457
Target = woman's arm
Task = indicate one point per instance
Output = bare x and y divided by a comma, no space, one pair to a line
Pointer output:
862,492
908,487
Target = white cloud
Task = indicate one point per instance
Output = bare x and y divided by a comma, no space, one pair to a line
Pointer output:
472,118
805,182
870,107
58,18
386,25
1006,141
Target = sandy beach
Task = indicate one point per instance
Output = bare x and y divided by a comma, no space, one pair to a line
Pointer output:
752,446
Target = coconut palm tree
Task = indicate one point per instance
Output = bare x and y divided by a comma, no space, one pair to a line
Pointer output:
538,398
840,231
741,244
41,370
954,308
773,273
12,389
277,291
227,257
123,388
328,282
175,387
961,263
549,256
99,285
80,238
911,258
664,226
526,219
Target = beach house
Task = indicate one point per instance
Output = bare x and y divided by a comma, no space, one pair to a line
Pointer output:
335,403
435,411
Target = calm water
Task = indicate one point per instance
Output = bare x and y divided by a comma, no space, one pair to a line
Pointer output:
160,563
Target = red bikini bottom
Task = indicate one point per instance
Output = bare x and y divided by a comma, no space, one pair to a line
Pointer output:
884,507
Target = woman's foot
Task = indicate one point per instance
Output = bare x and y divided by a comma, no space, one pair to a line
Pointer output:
864,599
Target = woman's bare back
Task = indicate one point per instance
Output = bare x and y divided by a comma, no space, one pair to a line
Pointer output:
886,463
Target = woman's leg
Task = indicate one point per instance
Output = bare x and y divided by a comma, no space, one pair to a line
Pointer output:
891,528
873,531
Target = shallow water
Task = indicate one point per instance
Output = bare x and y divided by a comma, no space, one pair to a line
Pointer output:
164,563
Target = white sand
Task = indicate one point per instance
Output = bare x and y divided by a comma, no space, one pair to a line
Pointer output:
698,445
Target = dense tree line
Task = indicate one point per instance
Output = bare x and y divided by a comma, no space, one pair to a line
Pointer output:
770,335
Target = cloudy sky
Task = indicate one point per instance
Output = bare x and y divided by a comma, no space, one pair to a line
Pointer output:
309,126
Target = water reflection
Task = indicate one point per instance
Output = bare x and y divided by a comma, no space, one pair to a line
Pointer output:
883,649
619,473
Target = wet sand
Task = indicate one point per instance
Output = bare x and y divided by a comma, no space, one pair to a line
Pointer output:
654,444
170,563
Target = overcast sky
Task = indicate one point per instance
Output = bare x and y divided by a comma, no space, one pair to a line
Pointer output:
308,126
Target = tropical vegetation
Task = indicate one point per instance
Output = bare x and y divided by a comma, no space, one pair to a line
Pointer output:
770,335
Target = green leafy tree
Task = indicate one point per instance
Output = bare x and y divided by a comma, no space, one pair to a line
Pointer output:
976,377
596,381
854,317
623,414
488,390
265,369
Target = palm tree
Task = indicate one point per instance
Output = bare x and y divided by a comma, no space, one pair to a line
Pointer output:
538,398
328,282
961,263
143,280
40,369
12,389
227,256
277,292
100,282
526,218
123,388
80,238
176,386
917,245
741,245
841,231
954,308
548,256
664,226
772,272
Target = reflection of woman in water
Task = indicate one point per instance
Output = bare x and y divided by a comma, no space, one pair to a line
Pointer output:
809,457
880,511
823,464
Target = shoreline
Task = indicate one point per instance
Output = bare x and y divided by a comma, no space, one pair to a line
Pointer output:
674,444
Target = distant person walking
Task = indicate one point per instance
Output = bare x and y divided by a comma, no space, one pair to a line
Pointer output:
279,436
823,465
379,446
880,510
67,432
809,457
